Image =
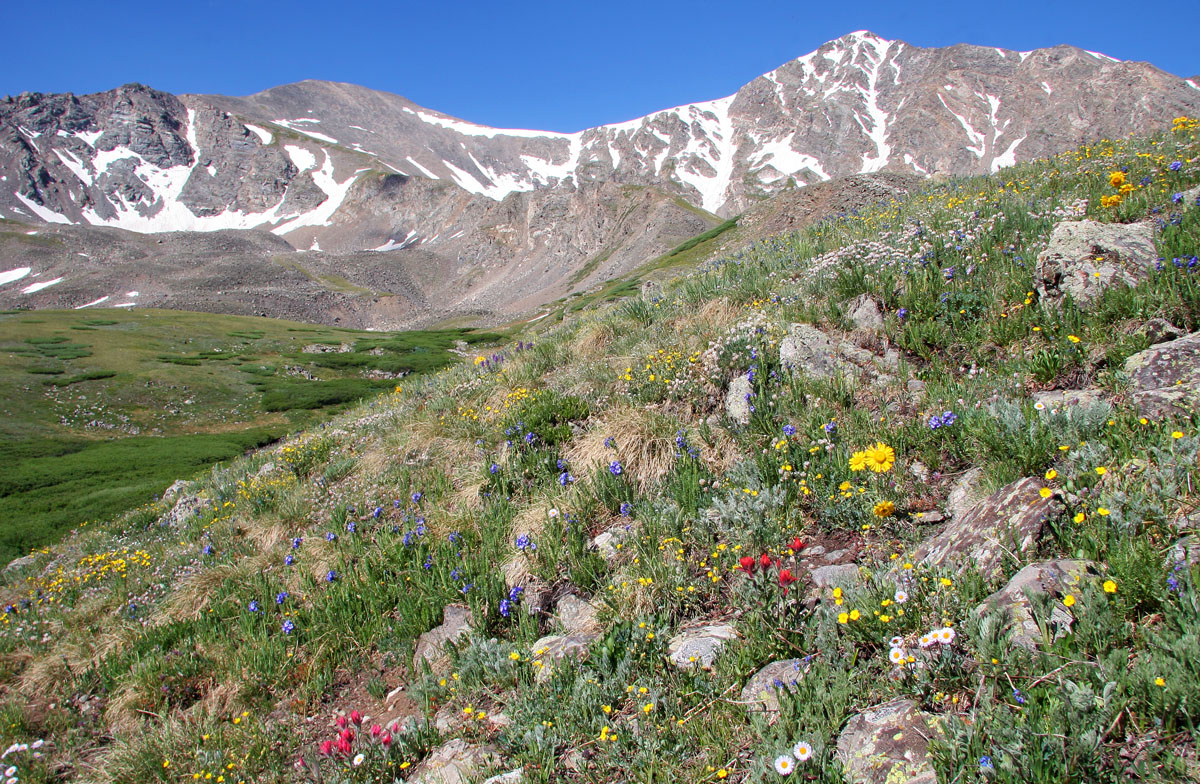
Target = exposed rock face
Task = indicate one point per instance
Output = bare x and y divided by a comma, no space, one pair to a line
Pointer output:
431,646
1085,257
608,543
1052,577
808,350
1009,520
761,692
1166,377
1063,399
699,646
889,744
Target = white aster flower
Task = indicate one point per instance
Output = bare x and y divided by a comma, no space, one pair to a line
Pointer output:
901,597
947,636
897,656
802,751
358,759
926,640
784,764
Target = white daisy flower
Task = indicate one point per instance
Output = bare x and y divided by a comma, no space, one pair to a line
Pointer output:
784,764
802,751
896,642
901,597
926,640
12,771
947,636
1040,406
358,759
897,656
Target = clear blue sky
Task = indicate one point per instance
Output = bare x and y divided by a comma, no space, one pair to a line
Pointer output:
561,65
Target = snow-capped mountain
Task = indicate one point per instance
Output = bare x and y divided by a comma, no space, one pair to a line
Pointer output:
337,167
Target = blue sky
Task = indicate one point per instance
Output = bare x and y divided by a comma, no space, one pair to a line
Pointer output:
562,65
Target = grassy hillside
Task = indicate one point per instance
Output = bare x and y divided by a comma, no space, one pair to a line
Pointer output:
598,459
103,409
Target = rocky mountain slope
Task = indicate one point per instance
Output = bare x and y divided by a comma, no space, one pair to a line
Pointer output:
515,215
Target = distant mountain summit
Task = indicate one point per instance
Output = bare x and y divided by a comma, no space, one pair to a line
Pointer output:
342,168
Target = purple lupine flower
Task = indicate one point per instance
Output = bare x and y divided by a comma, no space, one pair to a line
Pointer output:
289,559
565,478
493,469
830,428
514,594
208,549
352,527
417,496
614,468
331,576
331,537
505,606
789,430
253,606
902,313
378,511
525,544
288,627
281,597
1175,165
610,442
296,543
626,508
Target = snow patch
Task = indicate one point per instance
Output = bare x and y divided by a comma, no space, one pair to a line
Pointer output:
131,294
45,213
978,143
32,287
89,137
93,302
123,305
291,126
780,155
334,190
14,274
264,136
1046,86
304,159
1102,56
712,142
212,170
878,132
1007,158
422,169
911,161
471,129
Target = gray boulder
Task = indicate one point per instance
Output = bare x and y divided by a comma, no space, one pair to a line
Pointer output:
1085,257
864,313
554,648
186,506
1050,577
455,762
737,399
889,744
1009,520
576,616
699,646
1057,400
810,350
1166,378
431,646
761,692
968,491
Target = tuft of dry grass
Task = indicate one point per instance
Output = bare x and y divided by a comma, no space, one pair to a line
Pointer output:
593,339
644,441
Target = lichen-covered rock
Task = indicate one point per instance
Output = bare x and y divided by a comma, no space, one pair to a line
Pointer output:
17,564
608,543
185,507
1085,257
454,762
1009,520
699,646
576,616
737,399
553,648
1056,400
809,350
864,313
431,646
1166,377
761,692
836,576
968,491
1053,577
889,744
1185,551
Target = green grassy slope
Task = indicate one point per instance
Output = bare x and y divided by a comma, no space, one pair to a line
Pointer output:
102,409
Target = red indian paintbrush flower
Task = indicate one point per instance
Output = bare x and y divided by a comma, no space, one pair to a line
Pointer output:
356,717
797,545
764,560
786,578
747,563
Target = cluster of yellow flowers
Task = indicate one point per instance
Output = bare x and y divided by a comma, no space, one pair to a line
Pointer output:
879,458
